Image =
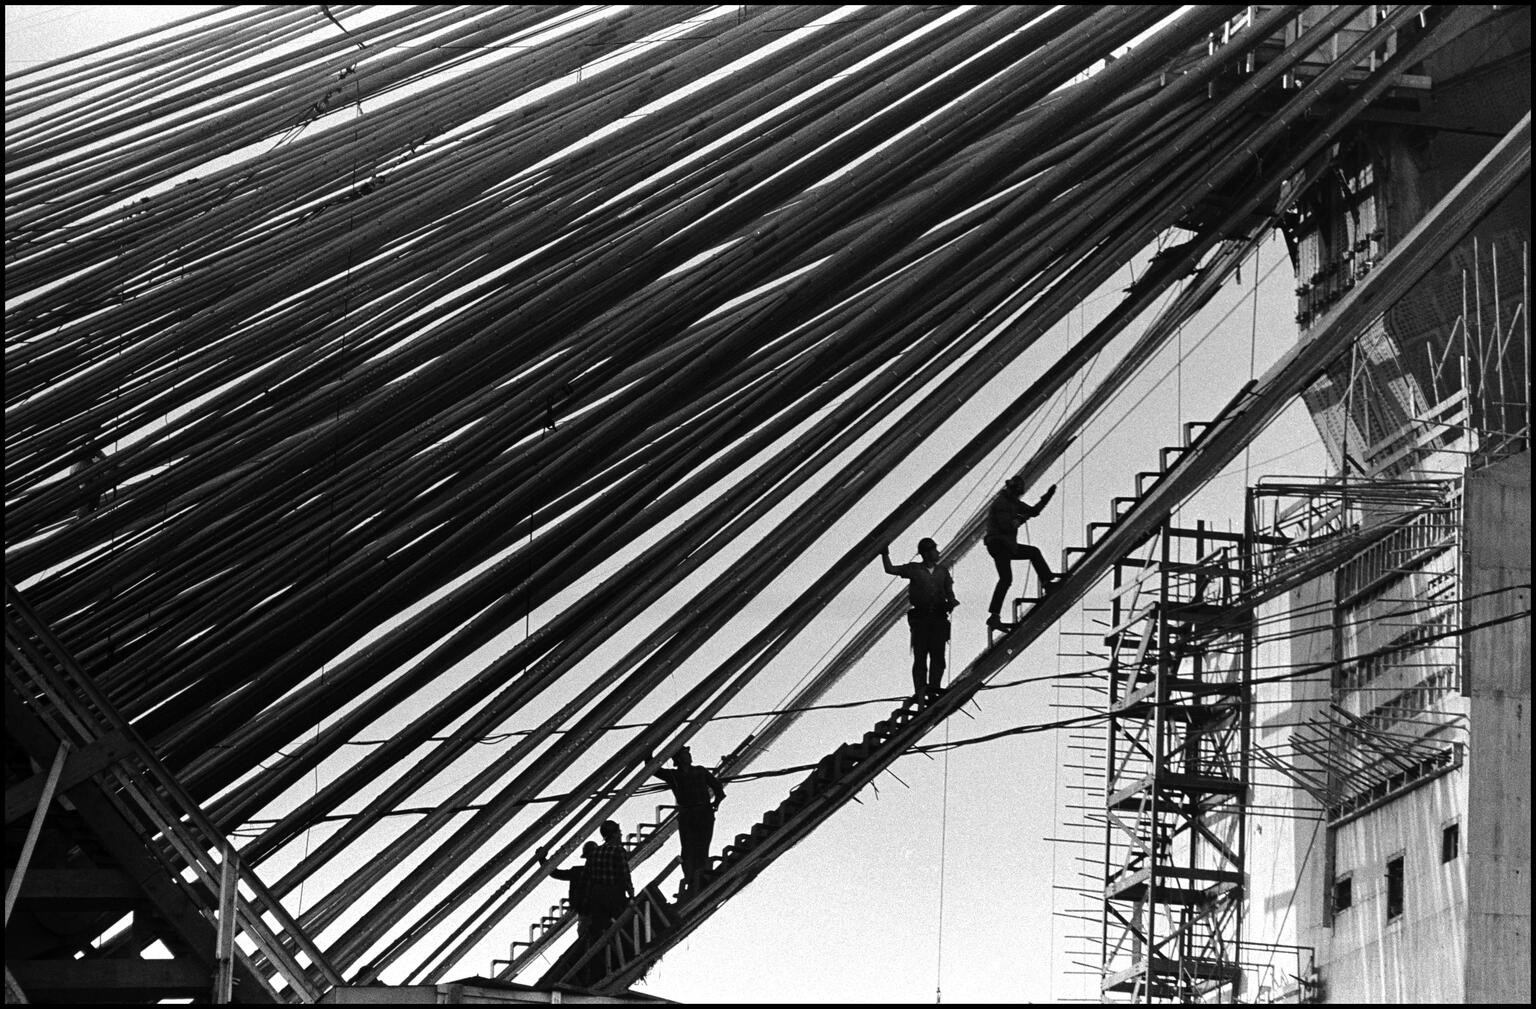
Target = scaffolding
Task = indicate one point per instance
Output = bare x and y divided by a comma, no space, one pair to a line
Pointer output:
1177,769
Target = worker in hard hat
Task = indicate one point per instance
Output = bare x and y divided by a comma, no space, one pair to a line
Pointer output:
1007,510
589,924
931,596
698,794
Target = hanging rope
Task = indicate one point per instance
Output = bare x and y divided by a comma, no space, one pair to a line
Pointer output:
938,965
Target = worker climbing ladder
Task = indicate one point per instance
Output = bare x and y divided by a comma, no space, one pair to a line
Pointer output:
652,924
642,843
1182,471
843,773
1194,435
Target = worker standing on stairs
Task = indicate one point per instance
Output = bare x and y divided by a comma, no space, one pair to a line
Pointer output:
580,897
931,594
1007,510
611,888
698,794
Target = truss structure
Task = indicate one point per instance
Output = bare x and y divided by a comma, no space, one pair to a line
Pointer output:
330,374
1177,766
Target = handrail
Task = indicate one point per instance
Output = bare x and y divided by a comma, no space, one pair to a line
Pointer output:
76,709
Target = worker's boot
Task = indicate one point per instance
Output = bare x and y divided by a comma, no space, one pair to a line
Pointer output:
997,623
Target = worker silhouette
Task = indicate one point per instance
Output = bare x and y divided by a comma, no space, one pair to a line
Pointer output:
608,881
1005,513
580,894
698,794
931,596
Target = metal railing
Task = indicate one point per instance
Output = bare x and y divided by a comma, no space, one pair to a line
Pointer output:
197,857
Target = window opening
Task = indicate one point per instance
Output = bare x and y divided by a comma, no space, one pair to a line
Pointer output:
1343,893
1395,888
1450,842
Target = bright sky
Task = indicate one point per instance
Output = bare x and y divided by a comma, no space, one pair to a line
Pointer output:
945,882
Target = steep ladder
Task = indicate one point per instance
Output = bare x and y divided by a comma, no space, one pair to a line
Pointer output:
1195,433
653,925
843,773
150,843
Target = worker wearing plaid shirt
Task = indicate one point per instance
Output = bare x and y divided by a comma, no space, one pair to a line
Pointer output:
608,874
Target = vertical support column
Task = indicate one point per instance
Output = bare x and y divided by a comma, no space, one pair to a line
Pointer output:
224,953
1153,800
44,801
1116,620
1247,555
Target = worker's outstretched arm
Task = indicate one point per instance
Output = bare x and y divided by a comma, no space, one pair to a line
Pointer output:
1028,511
885,559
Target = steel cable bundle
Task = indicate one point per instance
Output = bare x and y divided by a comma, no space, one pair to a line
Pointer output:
329,365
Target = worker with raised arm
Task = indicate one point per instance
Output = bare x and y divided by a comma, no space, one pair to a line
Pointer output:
1004,514
580,897
698,794
931,597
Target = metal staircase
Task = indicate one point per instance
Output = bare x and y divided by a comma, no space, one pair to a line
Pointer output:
128,860
645,840
653,925
1182,471
616,961
1121,508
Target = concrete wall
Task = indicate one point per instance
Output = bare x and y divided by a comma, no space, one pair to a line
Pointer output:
1498,679
1418,956
1285,852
